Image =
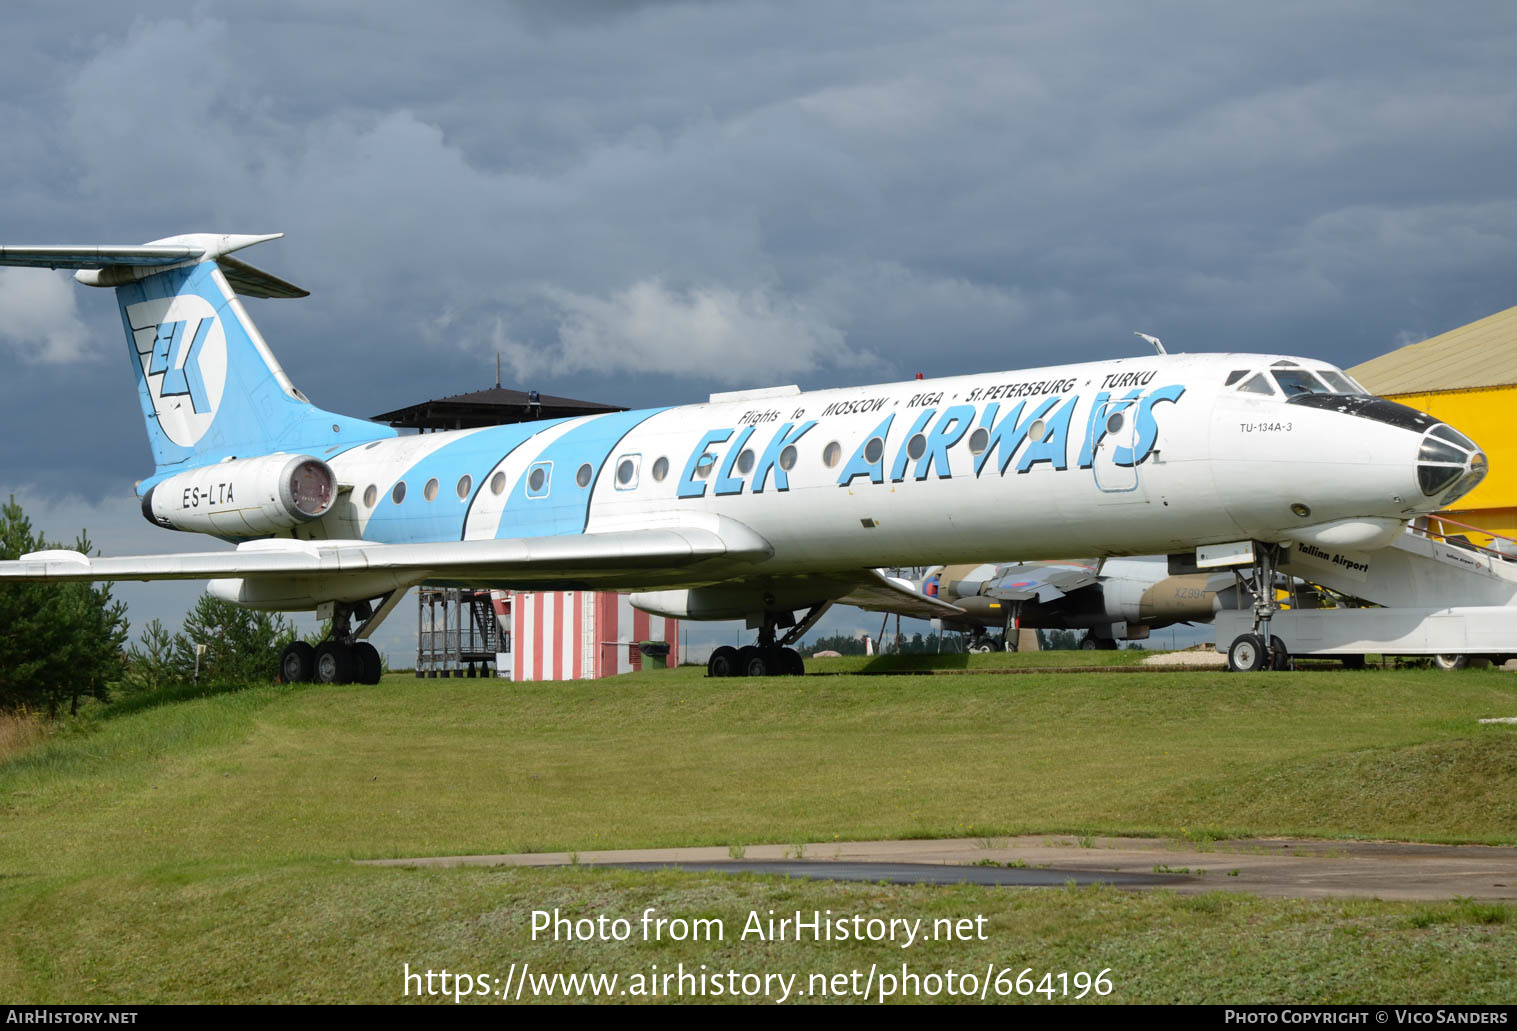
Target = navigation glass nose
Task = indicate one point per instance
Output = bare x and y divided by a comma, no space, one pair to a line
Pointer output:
1449,461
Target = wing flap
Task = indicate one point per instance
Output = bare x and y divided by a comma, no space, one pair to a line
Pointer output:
876,592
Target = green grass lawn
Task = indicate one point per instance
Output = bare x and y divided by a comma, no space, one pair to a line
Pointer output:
197,850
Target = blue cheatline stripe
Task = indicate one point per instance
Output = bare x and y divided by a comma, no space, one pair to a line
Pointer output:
564,506
416,519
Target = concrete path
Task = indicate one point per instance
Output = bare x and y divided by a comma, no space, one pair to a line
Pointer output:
1285,868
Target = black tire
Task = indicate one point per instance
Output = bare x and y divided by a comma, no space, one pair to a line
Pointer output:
753,661
1090,644
297,665
792,663
1279,658
1352,661
1448,663
723,662
1247,654
335,663
366,657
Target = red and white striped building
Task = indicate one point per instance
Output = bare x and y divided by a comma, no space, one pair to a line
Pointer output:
576,635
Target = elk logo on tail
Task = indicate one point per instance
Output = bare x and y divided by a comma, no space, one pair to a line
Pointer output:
181,348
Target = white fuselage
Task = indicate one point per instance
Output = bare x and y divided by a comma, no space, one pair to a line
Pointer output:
1126,457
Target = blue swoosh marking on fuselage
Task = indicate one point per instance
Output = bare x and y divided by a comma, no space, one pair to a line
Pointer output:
565,508
417,520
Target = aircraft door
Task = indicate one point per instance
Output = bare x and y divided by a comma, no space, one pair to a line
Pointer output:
1116,424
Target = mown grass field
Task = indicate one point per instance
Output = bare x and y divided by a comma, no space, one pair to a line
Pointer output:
199,850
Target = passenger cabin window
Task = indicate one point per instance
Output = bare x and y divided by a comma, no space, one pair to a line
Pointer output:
627,469
539,479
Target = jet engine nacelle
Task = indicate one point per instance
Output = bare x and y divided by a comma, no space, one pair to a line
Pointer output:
729,602
244,497
302,594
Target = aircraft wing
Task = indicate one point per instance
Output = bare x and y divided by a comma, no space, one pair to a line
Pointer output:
877,592
525,561
1043,583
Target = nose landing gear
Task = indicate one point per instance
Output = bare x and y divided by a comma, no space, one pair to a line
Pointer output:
1259,650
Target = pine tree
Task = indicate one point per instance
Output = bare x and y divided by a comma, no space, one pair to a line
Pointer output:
58,642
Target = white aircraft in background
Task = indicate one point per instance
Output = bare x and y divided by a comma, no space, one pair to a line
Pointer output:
758,505
1112,598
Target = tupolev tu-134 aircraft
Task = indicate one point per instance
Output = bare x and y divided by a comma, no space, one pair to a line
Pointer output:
765,505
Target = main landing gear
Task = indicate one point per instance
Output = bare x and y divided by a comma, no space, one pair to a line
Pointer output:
1259,650
344,657
772,656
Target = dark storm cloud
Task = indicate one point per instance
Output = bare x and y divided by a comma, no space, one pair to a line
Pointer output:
645,202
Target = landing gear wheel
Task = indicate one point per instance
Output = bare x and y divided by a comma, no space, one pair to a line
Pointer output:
723,662
791,662
1247,654
1090,644
980,648
1451,662
335,663
1352,661
754,661
1279,658
298,663
369,666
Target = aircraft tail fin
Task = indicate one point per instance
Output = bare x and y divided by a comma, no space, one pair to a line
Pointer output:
209,385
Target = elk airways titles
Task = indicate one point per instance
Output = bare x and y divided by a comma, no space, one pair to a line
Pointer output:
999,434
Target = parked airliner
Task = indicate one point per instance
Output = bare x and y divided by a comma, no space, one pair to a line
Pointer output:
1111,599
764,505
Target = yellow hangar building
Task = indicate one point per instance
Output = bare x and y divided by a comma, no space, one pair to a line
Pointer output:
1466,377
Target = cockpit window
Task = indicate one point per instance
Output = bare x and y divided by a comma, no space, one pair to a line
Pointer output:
1257,384
1453,436
1340,383
1235,376
1299,381
1437,451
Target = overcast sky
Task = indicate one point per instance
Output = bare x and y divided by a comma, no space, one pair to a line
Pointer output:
643,202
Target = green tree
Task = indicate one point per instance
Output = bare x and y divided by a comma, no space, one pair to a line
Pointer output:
843,644
150,662
58,641
1058,640
241,645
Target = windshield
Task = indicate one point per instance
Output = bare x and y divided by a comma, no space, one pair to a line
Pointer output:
1299,381
1293,381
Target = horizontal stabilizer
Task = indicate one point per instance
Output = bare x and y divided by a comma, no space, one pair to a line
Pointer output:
98,257
107,265
255,282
